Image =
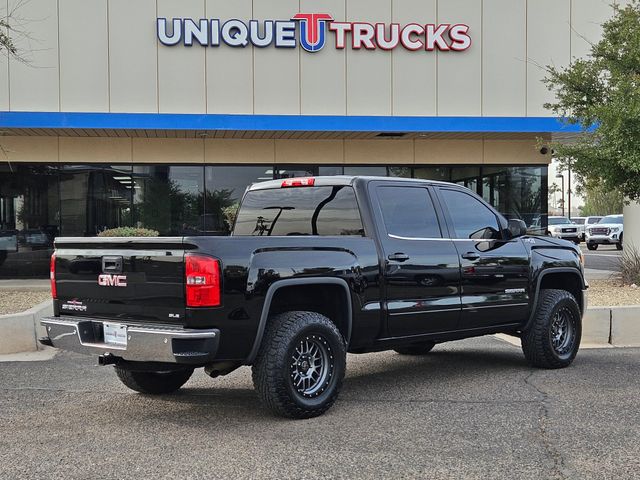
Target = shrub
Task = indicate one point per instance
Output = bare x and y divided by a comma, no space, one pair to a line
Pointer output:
630,265
128,232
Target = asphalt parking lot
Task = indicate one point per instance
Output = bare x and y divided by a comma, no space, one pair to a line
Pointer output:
470,409
607,257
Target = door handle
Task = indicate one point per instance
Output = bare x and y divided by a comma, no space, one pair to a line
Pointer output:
398,257
471,256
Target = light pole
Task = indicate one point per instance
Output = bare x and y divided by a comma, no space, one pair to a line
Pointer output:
561,177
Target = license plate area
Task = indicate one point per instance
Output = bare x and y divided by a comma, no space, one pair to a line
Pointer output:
115,334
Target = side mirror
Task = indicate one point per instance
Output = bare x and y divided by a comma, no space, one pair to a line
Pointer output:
517,228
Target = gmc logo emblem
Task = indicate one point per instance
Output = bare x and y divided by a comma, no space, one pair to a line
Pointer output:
108,280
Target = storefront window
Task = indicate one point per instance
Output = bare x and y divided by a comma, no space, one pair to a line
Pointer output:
366,171
94,198
517,192
400,172
466,176
29,219
38,202
331,170
169,199
295,171
442,174
224,189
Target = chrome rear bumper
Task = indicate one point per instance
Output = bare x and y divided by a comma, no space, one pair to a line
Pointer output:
145,343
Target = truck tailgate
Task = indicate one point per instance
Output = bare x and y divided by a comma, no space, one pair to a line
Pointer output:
121,278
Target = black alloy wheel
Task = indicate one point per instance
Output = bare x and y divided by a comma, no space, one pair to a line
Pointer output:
300,366
553,338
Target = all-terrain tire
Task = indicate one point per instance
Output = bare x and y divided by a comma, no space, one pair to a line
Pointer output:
278,366
416,348
543,343
153,382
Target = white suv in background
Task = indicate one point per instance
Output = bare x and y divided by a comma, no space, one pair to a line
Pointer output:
608,231
561,227
583,223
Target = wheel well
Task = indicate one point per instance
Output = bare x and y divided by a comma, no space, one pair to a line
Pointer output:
564,281
329,300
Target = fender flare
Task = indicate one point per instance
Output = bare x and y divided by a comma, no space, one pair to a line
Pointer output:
274,287
572,270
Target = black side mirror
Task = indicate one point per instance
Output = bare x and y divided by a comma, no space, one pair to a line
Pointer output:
517,228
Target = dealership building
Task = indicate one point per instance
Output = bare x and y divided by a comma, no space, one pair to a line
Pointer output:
159,113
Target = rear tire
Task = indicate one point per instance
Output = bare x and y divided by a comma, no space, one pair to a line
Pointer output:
300,366
553,339
592,246
154,382
416,348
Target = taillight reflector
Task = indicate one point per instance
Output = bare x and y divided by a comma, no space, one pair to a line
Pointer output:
52,276
298,182
202,279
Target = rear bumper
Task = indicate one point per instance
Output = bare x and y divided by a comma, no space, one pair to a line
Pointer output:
145,343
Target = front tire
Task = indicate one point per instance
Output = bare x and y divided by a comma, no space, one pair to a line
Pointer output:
592,246
300,366
416,348
154,382
619,244
553,339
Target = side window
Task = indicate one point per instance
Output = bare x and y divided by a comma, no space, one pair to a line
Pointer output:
408,212
471,218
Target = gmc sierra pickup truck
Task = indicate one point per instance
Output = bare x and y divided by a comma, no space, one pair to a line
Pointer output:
315,268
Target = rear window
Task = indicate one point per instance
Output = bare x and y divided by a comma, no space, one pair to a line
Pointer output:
300,211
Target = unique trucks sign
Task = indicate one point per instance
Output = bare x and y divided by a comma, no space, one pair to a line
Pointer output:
311,31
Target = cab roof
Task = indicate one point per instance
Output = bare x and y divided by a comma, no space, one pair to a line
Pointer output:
337,180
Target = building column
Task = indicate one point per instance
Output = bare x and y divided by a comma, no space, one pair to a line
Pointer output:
632,225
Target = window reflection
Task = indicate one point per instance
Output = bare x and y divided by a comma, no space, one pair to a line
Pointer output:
29,218
169,199
94,198
466,176
224,189
38,201
517,192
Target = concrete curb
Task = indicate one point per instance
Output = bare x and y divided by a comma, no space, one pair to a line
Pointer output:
602,326
19,331
617,326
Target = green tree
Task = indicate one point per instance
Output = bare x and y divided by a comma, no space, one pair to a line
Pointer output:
600,202
602,94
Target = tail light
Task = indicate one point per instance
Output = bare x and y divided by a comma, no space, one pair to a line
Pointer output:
298,182
202,278
52,276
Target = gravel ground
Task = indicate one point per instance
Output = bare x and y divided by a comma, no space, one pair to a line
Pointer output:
15,302
612,292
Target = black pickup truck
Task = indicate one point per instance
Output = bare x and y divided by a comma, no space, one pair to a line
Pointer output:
315,268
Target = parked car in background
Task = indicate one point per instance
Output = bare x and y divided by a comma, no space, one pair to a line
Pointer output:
583,223
608,231
562,227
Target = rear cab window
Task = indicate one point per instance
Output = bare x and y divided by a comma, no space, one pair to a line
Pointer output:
319,210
